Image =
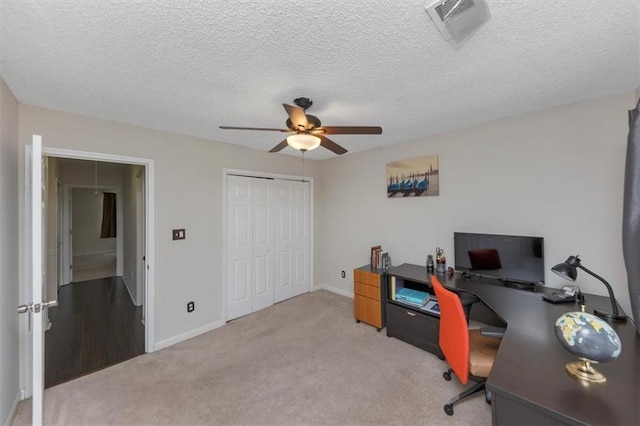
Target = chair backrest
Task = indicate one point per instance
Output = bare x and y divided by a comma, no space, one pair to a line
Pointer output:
454,332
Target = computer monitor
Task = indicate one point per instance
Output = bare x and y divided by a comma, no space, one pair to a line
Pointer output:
509,258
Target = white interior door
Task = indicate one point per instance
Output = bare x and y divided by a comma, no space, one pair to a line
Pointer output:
300,237
268,242
292,236
283,255
35,308
261,211
239,246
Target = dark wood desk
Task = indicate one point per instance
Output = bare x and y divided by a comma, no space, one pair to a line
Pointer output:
528,379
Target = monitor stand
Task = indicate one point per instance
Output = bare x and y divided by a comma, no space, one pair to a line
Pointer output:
519,285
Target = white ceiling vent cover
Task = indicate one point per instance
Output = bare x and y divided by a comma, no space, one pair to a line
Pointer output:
458,19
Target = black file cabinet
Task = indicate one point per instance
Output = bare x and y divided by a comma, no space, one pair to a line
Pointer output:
407,322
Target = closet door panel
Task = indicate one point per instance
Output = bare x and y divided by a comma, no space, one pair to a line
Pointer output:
239,250
267,242
299,243
262,286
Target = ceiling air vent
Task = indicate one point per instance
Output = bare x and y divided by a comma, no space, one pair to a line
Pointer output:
458,19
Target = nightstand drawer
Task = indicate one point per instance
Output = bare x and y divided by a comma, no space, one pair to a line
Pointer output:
366,291
366,278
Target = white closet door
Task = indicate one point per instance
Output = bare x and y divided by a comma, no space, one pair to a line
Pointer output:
239,246
300,237
291,240
262,256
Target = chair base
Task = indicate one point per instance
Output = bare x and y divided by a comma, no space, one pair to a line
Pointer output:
477,386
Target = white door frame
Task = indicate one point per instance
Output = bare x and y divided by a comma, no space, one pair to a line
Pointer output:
148,164
250,173
149,302
60,243
67,219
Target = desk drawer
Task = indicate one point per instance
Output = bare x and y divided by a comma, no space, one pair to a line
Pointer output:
368,311
366,278
419,329
366,291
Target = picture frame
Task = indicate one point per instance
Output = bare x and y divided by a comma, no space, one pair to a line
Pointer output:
415,177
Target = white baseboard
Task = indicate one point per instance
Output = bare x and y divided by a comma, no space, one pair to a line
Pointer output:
12,411
333,290
188,335
95,253
126,284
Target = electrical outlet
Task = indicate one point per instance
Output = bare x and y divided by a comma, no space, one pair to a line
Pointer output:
344,274
191,307
178,234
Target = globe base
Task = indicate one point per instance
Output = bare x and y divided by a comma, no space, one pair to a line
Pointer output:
583,371
607,315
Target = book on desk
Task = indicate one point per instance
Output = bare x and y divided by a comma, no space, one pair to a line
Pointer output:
412,297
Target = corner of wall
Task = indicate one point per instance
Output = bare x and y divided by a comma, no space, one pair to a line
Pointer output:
12,410
333,290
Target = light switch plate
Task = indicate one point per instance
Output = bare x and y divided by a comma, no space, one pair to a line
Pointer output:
178,234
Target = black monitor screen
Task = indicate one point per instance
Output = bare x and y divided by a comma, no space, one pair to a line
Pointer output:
506,257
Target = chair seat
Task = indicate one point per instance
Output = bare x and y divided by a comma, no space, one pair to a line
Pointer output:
482,352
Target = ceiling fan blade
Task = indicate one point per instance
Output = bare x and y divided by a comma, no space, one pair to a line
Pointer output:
297,116
255,128
331,145
352,130
279,147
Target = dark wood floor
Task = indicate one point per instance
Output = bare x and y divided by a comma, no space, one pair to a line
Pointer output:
94,326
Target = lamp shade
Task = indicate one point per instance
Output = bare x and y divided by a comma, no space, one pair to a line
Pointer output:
303,141
566,271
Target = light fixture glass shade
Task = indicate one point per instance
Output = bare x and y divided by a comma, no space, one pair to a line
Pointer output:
303,142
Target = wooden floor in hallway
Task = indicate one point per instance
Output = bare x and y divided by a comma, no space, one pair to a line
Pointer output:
95,325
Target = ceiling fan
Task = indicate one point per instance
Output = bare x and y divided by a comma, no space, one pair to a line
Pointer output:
308,132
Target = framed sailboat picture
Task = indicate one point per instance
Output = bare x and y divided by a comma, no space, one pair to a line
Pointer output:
416,177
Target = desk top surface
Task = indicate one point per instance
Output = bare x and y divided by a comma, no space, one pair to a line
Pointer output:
530,365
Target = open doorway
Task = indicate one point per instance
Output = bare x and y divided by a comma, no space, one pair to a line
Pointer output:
94,214
96,233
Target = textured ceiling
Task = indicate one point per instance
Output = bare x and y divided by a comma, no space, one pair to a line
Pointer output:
189,66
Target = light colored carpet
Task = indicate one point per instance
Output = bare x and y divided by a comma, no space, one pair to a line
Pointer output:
94,266
303,361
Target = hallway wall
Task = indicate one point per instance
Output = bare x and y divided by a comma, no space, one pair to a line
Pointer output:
9,260
132,202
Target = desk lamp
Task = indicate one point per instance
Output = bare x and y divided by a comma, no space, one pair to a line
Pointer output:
568,271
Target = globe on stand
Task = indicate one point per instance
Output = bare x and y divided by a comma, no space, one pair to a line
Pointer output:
591,339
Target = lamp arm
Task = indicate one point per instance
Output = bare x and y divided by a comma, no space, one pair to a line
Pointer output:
614,304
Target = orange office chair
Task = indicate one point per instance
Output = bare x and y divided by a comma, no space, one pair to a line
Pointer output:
469,354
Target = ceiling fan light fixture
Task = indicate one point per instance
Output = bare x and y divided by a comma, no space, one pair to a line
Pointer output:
303,141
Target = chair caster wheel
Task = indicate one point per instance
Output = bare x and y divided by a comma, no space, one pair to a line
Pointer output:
447,377
448,409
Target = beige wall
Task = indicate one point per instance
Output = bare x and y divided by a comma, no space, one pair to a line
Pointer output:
8,251
188,194
556,173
